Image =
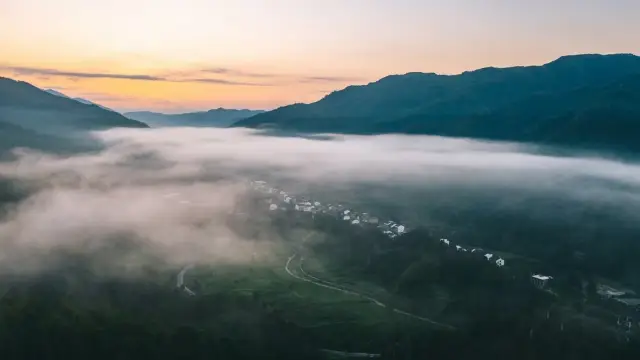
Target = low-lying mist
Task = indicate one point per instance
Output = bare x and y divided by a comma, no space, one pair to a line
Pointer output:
171,190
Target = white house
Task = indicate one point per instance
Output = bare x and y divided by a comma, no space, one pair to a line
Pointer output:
346,212
273,207
355,222
401,229
500,262
540,281
609,292
488,256
458,247
346,218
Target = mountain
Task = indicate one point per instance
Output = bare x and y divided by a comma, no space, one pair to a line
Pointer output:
572,98
84,101
57,93
213,118
31,117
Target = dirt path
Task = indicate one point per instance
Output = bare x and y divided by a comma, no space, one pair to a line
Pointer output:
329,285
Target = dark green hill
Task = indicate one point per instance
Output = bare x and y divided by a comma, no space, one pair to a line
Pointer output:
31,117
605,116
574,97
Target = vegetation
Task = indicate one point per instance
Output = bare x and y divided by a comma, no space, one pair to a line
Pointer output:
31,117
571,101
213,118
106,319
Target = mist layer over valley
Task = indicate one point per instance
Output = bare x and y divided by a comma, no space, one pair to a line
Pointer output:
131,187
153,201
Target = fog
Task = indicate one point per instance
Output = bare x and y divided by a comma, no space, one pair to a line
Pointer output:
171,189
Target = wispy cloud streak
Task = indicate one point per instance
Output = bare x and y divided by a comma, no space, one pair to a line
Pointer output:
226,76
33,71
77,74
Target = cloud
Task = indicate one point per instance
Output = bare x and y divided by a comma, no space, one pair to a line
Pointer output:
224,82
280,78
239,73
83,204
326,79
44,72
77,74
229,76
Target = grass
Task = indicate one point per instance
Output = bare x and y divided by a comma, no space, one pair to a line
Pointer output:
304,303
329,316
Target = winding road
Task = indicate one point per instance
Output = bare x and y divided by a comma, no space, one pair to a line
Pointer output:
326,284
180,279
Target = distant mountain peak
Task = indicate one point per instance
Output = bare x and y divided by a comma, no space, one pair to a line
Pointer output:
56,93
219,117
570,59
78,99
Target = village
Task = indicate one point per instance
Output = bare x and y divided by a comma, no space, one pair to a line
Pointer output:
623,302
281,200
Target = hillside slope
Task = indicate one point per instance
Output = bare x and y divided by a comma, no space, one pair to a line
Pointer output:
31,117
84,101
571,90
605,117
213,118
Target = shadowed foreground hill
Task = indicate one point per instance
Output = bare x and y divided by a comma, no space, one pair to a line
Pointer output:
586,100
31,117
213,118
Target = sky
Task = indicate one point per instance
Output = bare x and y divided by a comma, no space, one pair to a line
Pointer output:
186,55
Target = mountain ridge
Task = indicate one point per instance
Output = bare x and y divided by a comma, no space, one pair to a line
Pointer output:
219,117
78,99
394,102
32,117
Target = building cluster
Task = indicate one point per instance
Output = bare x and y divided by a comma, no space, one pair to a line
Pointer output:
499,262
281,200
625,297
626,305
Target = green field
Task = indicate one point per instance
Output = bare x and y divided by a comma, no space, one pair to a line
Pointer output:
329,315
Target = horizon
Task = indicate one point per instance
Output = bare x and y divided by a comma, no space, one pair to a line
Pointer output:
248,54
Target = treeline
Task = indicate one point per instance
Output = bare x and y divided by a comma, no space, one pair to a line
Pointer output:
59,316
49,319
498,312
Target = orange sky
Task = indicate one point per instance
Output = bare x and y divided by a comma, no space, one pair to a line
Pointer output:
183,55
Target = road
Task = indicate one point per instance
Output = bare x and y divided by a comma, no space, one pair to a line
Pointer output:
180,279
325,284
350,354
